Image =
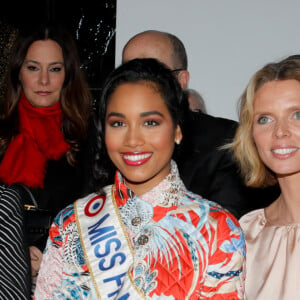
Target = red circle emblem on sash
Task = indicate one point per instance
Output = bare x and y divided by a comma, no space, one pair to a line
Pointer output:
94,206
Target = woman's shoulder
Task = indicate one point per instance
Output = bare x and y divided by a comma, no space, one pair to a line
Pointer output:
10,196
66,214
253,222
211,205
214,212
218,223
70,209
253,216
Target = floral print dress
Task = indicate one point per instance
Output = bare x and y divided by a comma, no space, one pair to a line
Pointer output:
185,247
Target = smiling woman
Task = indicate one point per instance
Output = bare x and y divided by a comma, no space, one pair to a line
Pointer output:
128,239
276,126
139,132
267,147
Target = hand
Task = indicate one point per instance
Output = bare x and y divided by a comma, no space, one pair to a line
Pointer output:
36,258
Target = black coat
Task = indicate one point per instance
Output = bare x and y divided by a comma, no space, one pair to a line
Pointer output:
63,184
212,173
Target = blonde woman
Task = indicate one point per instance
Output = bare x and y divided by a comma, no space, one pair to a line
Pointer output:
267,146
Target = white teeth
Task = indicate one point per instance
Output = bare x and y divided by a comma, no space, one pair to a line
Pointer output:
137,156
283,151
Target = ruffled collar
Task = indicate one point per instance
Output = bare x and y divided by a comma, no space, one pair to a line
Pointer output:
138,211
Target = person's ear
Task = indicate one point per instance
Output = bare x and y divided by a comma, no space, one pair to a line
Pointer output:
183,78
178,135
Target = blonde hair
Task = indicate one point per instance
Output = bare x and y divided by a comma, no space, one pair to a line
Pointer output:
254,171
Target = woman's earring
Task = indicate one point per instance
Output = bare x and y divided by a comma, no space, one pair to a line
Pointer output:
177,141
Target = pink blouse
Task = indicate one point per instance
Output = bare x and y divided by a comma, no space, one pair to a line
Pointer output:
273,258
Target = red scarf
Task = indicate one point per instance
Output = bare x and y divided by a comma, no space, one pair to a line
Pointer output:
39,139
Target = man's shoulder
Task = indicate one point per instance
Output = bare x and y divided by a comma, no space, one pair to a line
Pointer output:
208,131
207,120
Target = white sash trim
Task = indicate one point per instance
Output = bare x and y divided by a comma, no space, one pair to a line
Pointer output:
106,246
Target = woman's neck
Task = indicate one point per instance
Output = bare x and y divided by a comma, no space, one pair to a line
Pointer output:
286,209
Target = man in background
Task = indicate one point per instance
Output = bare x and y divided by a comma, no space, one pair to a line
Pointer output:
196,102
204,168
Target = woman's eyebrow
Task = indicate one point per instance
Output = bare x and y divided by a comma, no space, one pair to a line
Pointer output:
152,112
115,114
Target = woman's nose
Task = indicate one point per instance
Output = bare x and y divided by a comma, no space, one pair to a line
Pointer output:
282,129
44,77
134,137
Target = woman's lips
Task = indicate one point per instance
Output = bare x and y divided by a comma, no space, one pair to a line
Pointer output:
284,152
136,159
43,93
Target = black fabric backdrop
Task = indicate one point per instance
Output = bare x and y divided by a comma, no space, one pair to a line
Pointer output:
92,24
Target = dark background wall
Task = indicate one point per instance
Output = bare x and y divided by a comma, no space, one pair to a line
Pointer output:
92,24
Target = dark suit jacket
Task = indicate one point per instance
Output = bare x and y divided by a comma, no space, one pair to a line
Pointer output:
212,173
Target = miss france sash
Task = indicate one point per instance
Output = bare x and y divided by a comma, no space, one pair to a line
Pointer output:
106,246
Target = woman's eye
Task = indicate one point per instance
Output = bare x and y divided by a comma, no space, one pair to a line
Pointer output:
32,68
56,69
263,120
297,115
151,123
117,124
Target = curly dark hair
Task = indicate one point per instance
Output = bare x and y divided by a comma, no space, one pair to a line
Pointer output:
146,70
